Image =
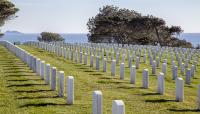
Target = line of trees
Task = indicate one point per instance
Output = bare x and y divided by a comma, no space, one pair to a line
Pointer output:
113,24
7,12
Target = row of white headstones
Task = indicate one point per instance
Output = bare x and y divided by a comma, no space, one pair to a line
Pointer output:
184,68
72,50
46,72
186,54
69,53
145,81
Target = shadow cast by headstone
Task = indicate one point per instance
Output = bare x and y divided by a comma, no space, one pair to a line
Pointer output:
109,61
41,105
146,94
89,71
96,74
81,65
7,64
21,71
153,75
117,82
37,97
50,54
7,61
108,82
184,110
77,65
157,68
105,78
40,50
35,79
139,71
15,68
31,91
137,87
13,64
24,85
18,75
160,101
14,80
82,68
189,86
125,87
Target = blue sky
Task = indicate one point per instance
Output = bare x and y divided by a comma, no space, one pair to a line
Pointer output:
71,16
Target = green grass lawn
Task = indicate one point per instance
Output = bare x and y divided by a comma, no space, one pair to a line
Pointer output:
22,91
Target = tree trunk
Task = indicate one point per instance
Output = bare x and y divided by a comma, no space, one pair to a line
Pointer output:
122,43
158,37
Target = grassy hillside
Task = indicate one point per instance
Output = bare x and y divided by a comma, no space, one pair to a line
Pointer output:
28,94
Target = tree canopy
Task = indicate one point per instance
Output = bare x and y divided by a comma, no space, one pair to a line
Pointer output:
50,37
120,25
7,11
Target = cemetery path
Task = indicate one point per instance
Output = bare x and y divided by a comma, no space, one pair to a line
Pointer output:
137,99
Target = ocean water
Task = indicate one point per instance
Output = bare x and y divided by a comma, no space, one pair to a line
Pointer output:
70,38
194,38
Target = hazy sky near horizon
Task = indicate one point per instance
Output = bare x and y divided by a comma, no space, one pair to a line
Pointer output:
71,16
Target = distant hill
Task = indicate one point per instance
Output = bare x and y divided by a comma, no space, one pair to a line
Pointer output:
13,32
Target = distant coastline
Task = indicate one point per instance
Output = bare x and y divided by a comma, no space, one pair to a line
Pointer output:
12,36
12,32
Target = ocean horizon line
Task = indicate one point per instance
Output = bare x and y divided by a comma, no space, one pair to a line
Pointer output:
10,31
194,38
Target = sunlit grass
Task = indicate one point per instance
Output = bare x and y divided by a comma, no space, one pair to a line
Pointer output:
35,97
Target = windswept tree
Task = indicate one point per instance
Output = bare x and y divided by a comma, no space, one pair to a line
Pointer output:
170,32
7,11
126,26
50,37
110,24
157,24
